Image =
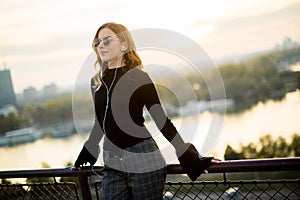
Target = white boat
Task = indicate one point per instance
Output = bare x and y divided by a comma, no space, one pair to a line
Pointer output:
64,130
3,141
20,136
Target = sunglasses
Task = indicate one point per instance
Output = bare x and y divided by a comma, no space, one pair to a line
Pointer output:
105,41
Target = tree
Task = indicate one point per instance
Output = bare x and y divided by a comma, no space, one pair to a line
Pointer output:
53,111
295,145
70,179
10,122
267,148
282,149
40,179
249,151
231,154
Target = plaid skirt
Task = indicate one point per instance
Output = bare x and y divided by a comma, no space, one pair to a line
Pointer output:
137,172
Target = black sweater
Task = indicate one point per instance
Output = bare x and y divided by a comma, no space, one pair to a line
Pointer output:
120,116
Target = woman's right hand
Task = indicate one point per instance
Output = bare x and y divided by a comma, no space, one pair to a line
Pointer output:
84,157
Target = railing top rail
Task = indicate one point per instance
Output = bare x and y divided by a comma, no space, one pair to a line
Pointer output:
248,165
253,165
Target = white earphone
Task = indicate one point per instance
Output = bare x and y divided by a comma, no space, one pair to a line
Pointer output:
108,89
123,48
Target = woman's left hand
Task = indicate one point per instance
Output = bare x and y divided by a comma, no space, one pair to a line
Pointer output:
213,161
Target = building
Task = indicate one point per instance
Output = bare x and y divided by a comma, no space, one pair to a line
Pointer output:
50,90
30,95
7,94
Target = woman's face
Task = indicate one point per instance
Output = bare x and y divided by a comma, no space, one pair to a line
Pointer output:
110,47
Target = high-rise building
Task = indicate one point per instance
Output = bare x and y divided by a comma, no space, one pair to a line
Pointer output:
7,94
30,95
50,90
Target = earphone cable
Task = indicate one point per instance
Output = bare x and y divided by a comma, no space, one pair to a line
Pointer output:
108,89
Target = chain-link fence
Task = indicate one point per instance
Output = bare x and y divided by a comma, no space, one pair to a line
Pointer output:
42,191
235,190
80,184
213,190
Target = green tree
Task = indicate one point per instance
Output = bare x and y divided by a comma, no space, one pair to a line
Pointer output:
231,154
267,148
53,111
249,151
295,145
237,79
266,75
9,122
282,149
70,179
41,179
202,92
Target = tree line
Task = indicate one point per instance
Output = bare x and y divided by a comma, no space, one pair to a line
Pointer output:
43,114
246,82
266,147
252,80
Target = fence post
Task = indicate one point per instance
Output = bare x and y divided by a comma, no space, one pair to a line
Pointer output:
85,186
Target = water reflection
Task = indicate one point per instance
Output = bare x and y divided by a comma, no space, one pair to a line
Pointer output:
272,117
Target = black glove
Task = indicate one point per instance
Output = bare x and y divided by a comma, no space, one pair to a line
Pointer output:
86,156
191,161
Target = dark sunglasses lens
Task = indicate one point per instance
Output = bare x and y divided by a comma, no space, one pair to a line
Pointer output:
106,41
96,42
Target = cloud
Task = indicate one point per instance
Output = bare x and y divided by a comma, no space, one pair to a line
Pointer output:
247,34
288,13
41,35
50,44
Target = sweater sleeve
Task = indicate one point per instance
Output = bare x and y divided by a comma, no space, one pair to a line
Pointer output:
151,100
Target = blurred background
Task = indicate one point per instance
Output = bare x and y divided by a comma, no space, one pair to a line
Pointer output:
253,44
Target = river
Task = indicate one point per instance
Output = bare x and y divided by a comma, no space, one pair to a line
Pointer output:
278,118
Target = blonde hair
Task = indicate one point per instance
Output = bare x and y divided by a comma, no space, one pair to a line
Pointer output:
131,58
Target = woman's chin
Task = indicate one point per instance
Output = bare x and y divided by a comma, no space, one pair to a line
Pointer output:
104,59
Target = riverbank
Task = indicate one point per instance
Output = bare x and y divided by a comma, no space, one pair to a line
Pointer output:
271,117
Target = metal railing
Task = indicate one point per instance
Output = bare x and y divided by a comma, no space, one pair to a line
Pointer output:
234,180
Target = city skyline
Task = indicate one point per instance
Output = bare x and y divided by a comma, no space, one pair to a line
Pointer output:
6,77
48,42
9,98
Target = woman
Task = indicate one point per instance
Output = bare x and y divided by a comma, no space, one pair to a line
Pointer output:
133,165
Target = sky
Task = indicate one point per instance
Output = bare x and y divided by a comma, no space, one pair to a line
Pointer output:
44,42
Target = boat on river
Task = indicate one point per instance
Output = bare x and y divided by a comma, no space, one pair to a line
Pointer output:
20,136
62,130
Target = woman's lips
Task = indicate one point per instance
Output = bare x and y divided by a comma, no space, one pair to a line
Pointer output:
103,52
